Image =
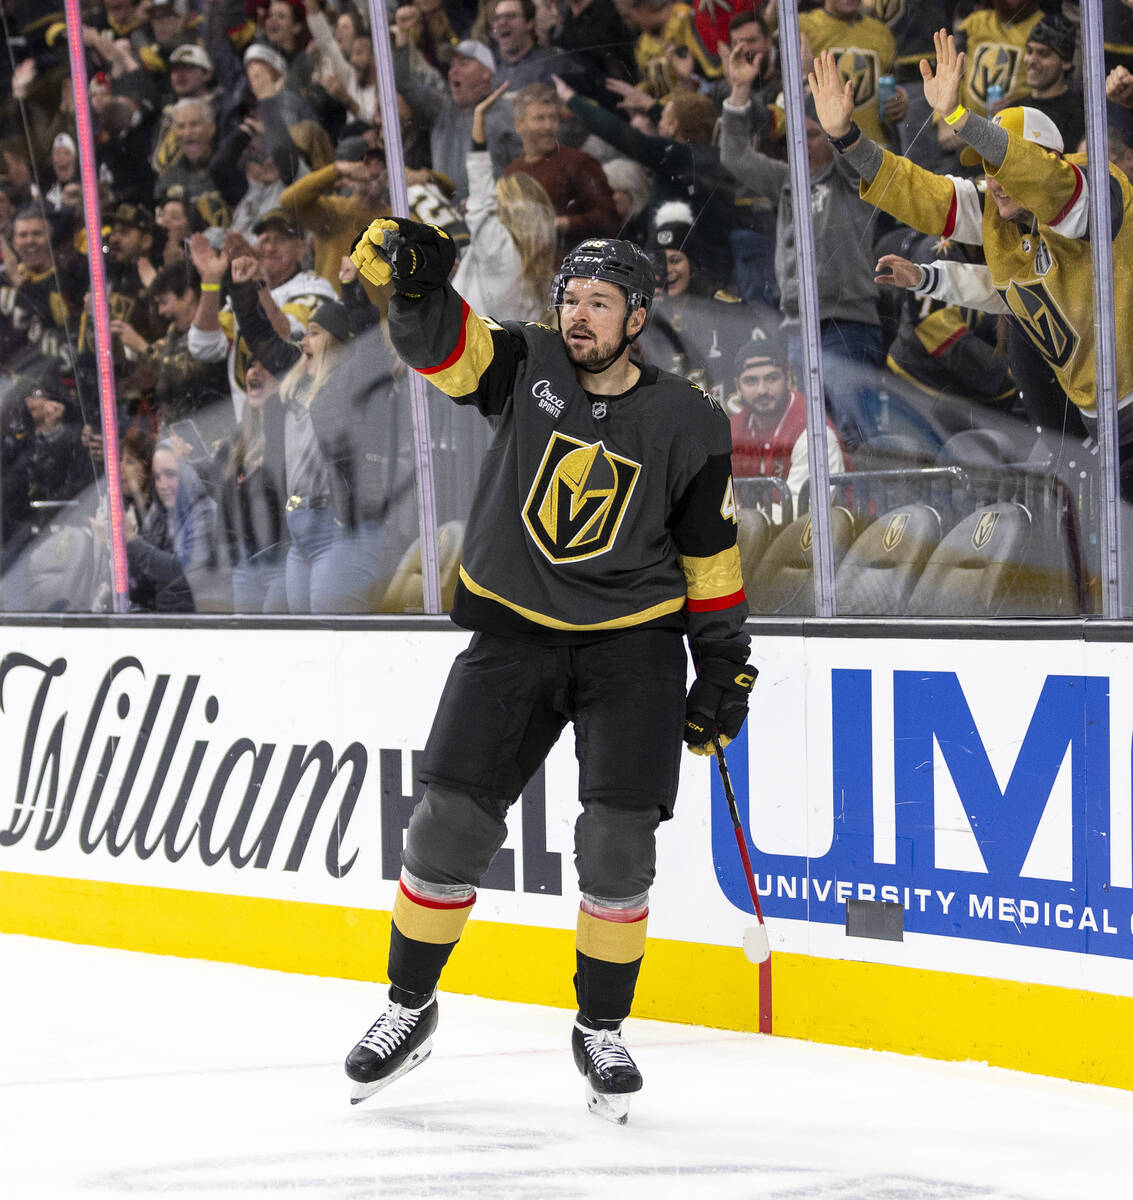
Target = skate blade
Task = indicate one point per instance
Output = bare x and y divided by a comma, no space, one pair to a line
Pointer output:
610,1106
363,1091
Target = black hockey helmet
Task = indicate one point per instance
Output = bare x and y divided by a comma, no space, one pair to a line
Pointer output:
614,261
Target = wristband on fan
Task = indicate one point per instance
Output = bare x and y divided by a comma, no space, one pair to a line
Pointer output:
955,115
210,287
847,139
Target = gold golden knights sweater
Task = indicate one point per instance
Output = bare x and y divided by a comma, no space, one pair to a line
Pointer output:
1042,272
592,514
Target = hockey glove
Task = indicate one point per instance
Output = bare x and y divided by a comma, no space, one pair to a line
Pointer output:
717,703
413,256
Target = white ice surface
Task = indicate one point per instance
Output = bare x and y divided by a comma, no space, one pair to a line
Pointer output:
128,1075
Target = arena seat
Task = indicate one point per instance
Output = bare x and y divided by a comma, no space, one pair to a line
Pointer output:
784,580
981,568
981,448
881,568
406,590
753,537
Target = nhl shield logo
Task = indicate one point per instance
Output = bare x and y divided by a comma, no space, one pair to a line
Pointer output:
894,531
579,497
985,528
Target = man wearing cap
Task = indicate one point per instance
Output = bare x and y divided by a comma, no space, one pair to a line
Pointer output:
603,533
769,419
1033,222
288,295
133,318
190,77
292,135
852,343
447,108
1049,63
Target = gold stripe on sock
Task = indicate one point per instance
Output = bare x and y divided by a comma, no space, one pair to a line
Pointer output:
611,941
437,924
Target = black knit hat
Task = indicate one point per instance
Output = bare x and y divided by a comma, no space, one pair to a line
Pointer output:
768,348
332,316
1057,32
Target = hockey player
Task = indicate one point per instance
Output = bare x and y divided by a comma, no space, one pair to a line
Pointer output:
603,531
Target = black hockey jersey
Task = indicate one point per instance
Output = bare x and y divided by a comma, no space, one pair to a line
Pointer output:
592,514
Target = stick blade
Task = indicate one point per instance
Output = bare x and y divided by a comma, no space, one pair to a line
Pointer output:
757,949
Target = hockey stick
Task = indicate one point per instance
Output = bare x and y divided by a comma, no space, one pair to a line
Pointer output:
757,949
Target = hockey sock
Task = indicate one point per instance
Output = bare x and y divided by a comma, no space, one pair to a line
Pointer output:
610,945
428,919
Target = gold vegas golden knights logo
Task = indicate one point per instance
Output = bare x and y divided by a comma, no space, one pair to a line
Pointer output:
1042,321
984,529
993,63
578,499
860,67
807,538
889,10
895,531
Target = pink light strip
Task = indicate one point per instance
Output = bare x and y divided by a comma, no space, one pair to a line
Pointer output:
93,215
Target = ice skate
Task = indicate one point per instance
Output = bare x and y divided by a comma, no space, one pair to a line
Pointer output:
399,1040
611,1075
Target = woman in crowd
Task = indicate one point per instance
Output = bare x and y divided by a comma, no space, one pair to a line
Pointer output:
253,498
507,268
336,444
170,530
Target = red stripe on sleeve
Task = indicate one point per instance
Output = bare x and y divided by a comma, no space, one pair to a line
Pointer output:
717,602
458,350
950,220
1078,183
949,342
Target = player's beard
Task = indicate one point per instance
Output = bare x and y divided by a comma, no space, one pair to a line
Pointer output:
592,353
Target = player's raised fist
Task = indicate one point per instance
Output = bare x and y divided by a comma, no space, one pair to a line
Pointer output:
416,257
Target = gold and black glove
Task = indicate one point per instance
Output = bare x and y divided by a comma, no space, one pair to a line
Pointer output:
717,703
414,257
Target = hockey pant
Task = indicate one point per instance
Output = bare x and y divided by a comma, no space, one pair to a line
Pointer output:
503,708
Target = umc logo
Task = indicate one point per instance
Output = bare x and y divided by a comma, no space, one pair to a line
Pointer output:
579,497
976,832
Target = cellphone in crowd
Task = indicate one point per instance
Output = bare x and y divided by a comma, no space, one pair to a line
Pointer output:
886,89
188,432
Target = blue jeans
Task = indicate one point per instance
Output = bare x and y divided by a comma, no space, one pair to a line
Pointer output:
754,257
259,583
331,569
852,357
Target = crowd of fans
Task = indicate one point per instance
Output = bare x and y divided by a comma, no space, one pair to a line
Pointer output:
264,419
